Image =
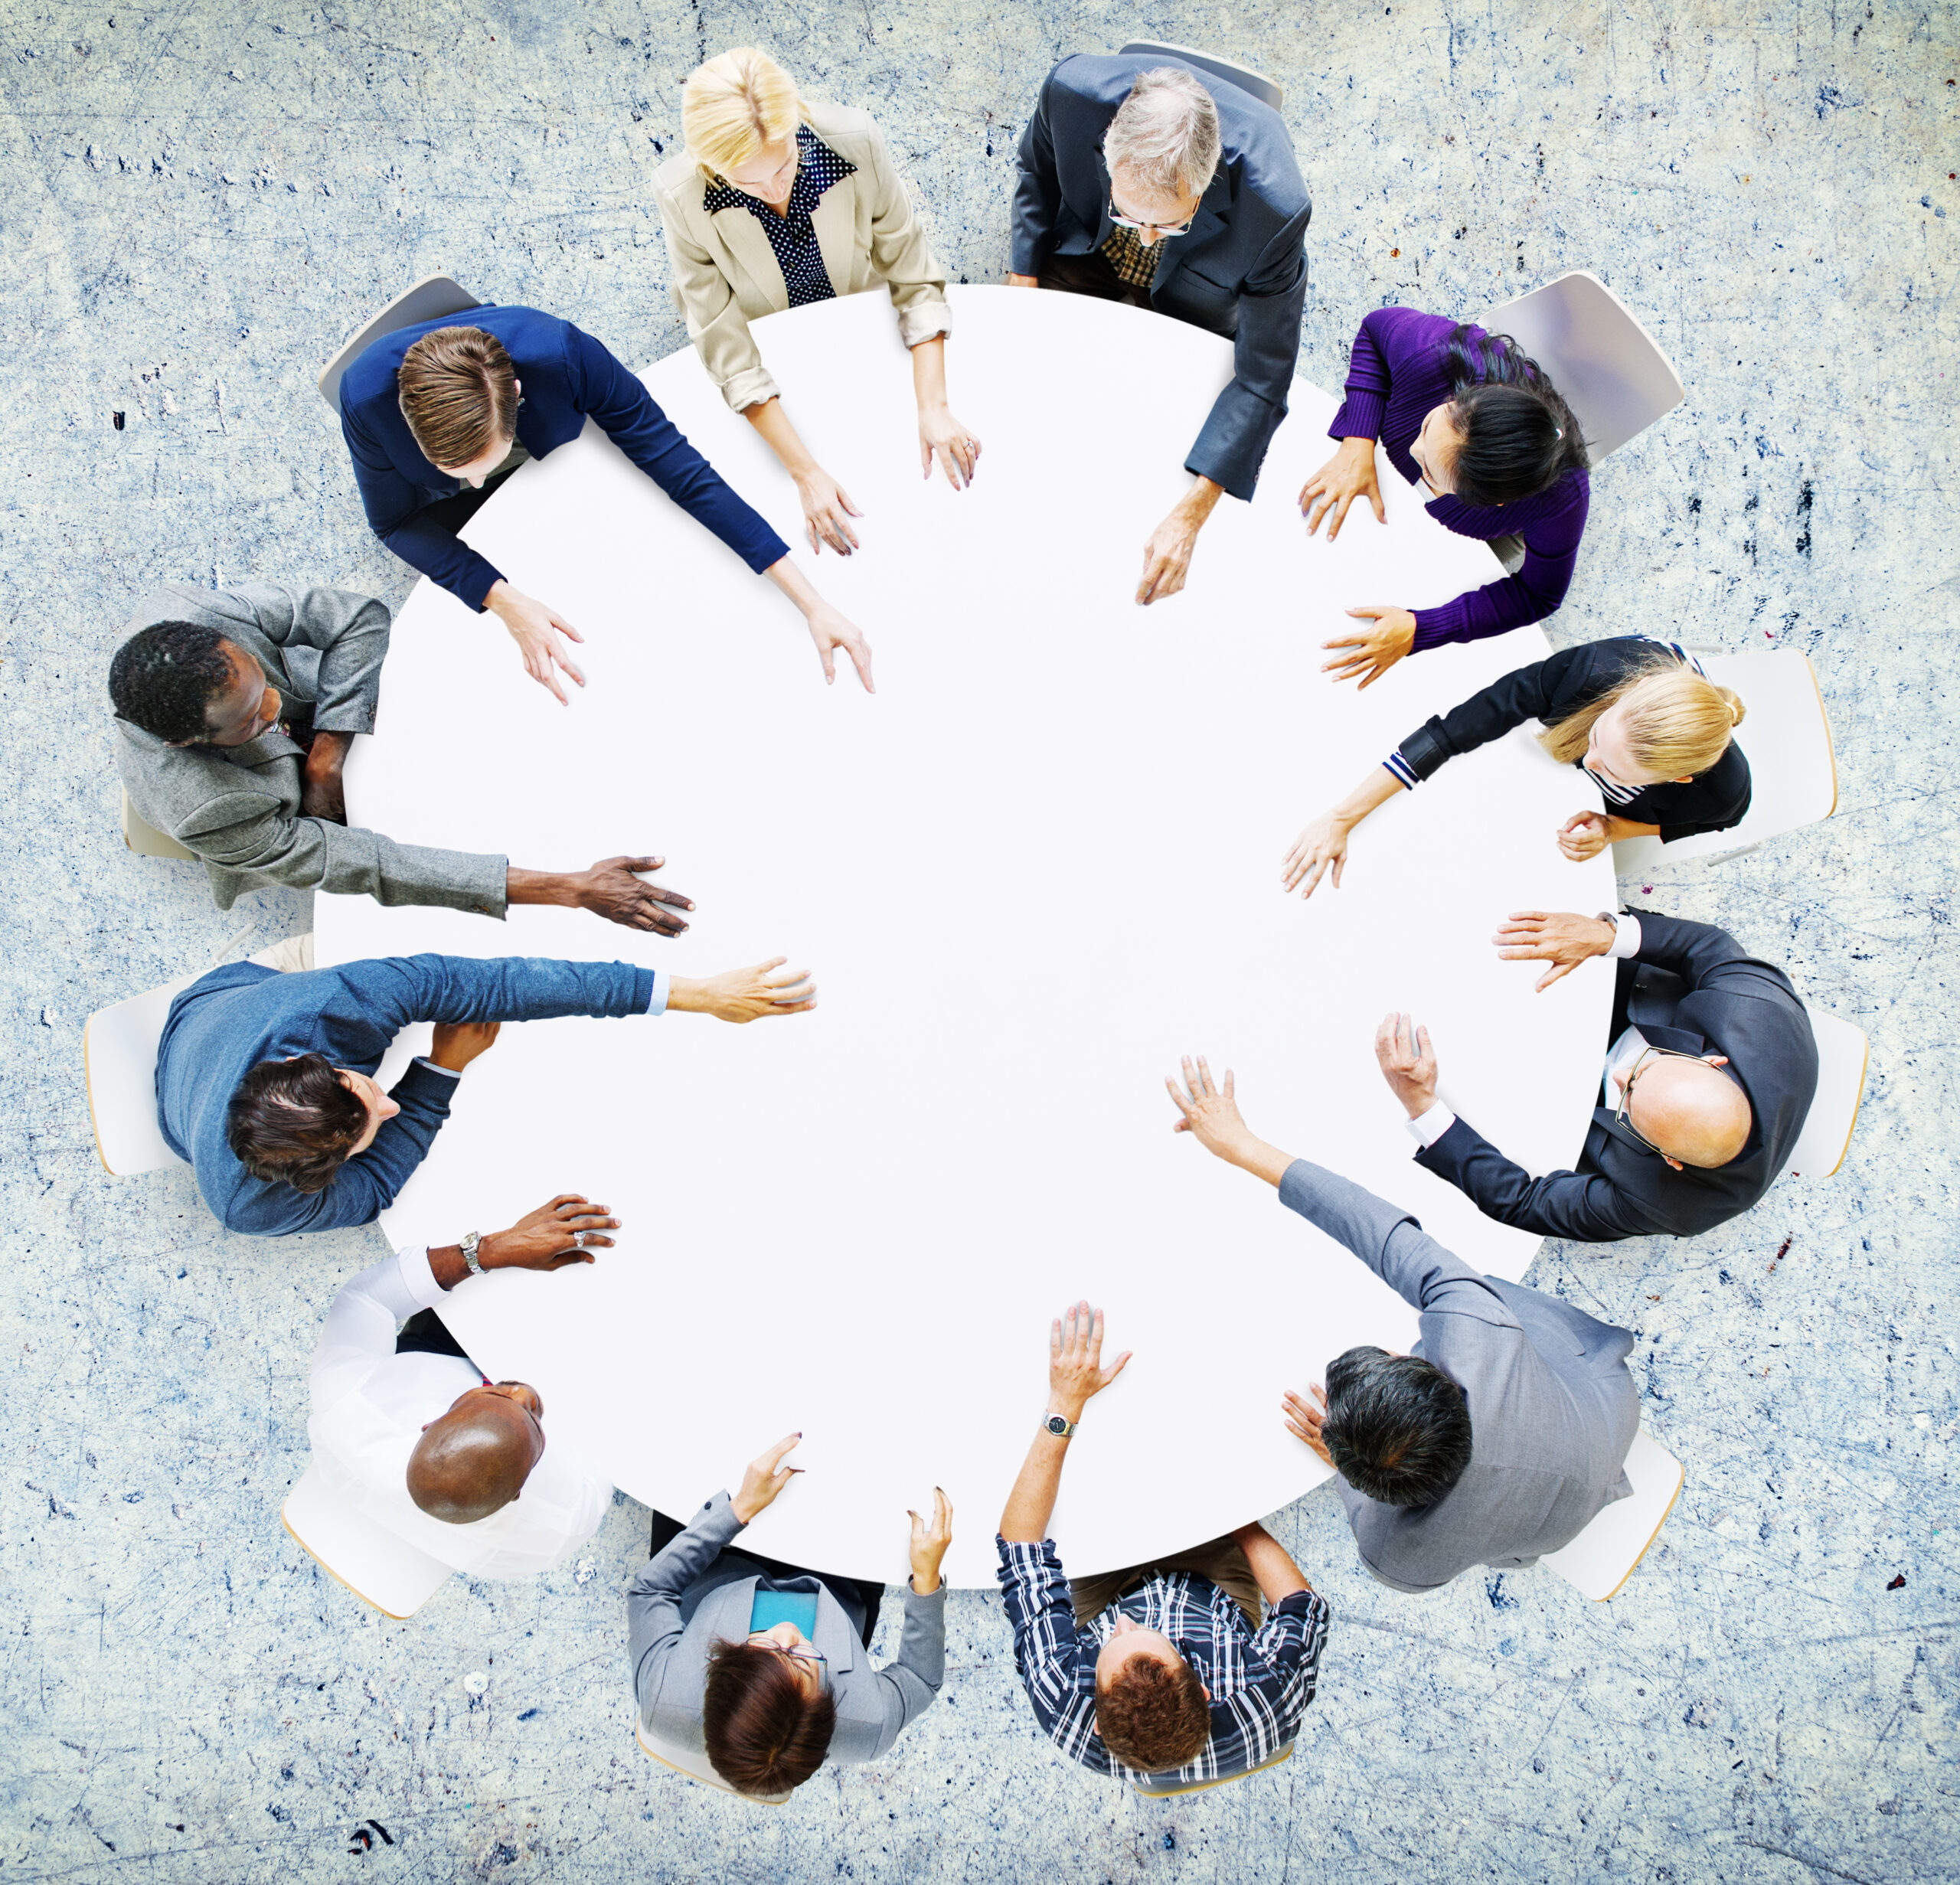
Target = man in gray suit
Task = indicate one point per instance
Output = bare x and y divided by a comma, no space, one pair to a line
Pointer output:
1497,1438
235,712
762,1666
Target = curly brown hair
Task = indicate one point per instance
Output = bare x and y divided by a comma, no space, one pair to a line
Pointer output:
764,1735
1152,1717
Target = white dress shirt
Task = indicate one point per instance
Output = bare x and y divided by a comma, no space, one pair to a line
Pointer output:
1428,1127
370,1406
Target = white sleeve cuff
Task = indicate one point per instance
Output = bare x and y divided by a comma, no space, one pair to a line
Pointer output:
412,1266
448,1073
1430,1126
663,983
1626,934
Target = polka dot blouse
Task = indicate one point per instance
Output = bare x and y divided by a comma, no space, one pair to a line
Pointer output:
792,235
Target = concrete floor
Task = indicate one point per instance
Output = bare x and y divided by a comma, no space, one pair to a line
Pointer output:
199,200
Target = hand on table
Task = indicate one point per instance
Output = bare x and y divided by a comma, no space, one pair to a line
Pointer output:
1389,634
827,512
1348,475
942,437
764,1476
1305,1417
1022,281
567,1230
746,994
1565,941
611,888
831,630
1408,1063
1075,1360
1167,557
1584,835
929,1543
535,627
459,1042
1320,845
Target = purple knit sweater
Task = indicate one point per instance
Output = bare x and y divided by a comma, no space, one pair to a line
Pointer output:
1395,378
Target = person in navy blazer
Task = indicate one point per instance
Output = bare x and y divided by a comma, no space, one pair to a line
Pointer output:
516,384
1145,180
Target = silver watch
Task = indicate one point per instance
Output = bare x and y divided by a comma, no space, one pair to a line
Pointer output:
1062,1430
470,1240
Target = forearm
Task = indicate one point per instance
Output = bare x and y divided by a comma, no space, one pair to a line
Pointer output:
928,373
1371,795
1273,1566
1198,503
794,584
782,438
1618,828
1031,1504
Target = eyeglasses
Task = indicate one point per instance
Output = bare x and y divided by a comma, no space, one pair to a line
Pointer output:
1622,1113
798,1652
1155,229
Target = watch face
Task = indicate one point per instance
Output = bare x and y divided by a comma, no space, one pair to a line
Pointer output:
1056,1424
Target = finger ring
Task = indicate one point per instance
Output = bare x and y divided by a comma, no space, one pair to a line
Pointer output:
578,1237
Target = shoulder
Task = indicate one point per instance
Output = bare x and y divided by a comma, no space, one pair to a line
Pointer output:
847,130
679,181
1092,78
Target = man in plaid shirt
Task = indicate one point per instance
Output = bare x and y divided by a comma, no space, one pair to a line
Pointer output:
1164,1670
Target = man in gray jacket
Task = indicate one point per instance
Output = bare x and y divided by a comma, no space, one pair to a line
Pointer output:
235,712
1497,1438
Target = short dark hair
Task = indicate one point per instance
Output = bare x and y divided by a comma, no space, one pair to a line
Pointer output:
764,1735
1398,1427
164,677
1152,1717
1520,437
295,1121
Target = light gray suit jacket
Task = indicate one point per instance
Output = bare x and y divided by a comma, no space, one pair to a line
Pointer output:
237,807
683,1603
1552,1407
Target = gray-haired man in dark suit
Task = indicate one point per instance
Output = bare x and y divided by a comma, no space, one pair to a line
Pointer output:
1497,1438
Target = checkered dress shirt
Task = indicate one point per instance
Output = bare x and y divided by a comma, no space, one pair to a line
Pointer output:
792,235
1262,1683
1133,263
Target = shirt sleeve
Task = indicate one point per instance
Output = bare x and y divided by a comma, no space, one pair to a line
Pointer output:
363,1320
1365,404
1289,1645
1048,1650
1551,554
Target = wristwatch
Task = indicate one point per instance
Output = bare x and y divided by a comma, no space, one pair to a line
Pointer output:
1062,1430
470,1240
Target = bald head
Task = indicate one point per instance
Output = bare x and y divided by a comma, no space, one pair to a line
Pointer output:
475,1460
1690,1111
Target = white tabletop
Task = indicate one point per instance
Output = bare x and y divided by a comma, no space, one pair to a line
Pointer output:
1039,864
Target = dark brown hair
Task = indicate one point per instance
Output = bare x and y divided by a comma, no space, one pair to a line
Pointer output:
458,392
1153,1717
764,1735
295,1121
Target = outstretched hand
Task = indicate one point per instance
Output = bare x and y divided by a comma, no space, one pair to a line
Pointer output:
613,890
1408,1063
1209,1113
764,1476
1075,1360
746,994
1564,940
567,1230
1371,652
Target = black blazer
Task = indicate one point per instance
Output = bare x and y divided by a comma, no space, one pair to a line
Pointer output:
1692,987
1549,690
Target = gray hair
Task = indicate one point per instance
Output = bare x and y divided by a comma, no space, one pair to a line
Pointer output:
1165,134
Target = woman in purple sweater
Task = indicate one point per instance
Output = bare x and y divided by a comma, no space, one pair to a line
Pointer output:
1471,417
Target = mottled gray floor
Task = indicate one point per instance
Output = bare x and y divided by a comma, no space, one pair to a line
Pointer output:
199,200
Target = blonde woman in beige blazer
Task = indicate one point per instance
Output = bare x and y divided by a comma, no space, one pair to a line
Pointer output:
777,200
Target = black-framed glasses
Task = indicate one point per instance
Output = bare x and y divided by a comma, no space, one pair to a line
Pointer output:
800,1652
1623,1113
1155,229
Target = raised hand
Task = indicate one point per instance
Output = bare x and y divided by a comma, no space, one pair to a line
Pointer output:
1321,845
1348,475
1408,1063
764,1476
567,1230
746,994
1389,634
929,1543
1075,1360
1209,1114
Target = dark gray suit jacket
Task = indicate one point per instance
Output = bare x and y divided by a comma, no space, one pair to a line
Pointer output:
682,1602
1241,271
1553,1408
237,808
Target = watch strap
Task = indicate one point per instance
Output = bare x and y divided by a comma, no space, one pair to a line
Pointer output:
470,1240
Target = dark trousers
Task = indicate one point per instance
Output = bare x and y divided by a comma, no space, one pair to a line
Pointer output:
425,1333
1089,274
451,514
857,1597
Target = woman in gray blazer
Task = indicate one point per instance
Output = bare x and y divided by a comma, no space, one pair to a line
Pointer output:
778,201
761,1665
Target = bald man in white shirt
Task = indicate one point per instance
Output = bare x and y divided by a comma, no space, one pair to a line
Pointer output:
408,1430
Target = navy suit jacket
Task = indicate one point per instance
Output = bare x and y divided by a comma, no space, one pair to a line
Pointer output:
1241,270
1694,988
567,378
224,1024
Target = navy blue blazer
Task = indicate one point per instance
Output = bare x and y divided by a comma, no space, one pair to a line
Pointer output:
1694,988
567,378
225,1024
1241,270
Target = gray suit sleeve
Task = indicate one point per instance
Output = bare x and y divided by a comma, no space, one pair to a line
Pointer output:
915,1676
654,1627
350,632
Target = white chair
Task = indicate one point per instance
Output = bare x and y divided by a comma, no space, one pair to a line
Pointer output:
1603,1556
1616,380
1243,77
145,839
694,1766
431,297
378,1567
1785,736
1843,1054
118,1059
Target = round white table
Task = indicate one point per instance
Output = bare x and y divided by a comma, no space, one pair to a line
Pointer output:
1041,864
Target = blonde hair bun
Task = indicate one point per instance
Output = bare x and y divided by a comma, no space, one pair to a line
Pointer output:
1677,722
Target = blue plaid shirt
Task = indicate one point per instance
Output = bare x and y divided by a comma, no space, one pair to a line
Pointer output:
1262,1682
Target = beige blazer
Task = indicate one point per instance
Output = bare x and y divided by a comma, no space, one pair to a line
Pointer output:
726,274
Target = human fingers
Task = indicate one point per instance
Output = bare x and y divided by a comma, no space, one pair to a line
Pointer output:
860,652
1552,974
1338,863
1340,514
830,666
1374,673
1371,612
565,661
1374,498
1205,1077
1423,1045
1055,1339
1178,1099
810,531
773,1459
1117,1366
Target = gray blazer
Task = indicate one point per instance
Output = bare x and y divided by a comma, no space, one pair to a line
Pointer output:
1552,1407
237,808
682,1602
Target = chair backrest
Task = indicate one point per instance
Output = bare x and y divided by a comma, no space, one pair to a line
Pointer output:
695,1766
1165,1790
431,297
379,1568
1614,377
1602,1557
1843,1054
1243,77
145,839
1785,736
118,1060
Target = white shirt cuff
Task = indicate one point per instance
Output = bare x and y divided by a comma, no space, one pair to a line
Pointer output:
1626,934
663,983
412,1263
448,1073
1430,1126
